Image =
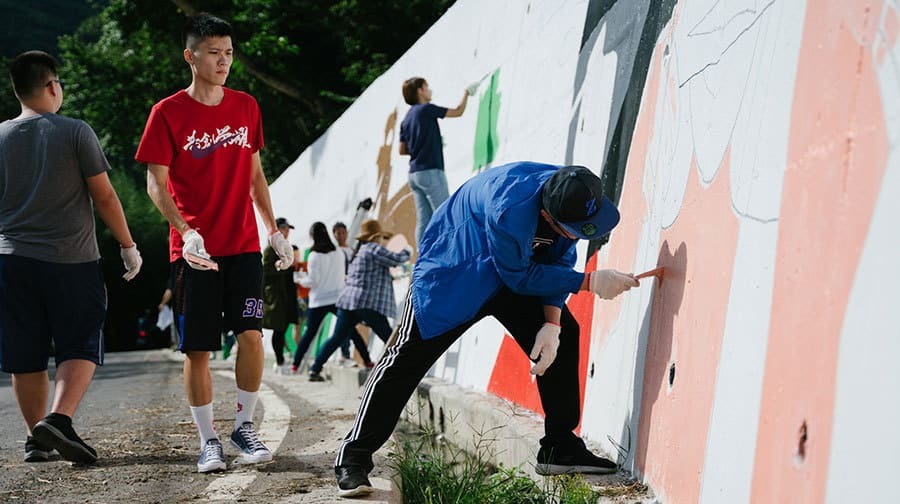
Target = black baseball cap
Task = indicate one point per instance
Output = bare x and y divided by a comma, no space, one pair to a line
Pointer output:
282,222
573,196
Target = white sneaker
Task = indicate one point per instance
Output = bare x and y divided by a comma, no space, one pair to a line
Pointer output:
211,458
345,362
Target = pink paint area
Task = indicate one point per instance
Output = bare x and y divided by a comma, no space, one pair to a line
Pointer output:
836,160
687,321
511,378
890,27
626,237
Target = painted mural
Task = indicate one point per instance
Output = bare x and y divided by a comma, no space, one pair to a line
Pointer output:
752,149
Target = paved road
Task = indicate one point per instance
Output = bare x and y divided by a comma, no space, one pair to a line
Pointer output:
136,417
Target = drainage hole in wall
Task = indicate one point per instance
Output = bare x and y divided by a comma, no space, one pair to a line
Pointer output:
801,444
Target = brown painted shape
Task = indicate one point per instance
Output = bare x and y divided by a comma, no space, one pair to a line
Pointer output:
836,160
686,327
396,212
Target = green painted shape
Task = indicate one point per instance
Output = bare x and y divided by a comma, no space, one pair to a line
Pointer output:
324,334
486,139
289,342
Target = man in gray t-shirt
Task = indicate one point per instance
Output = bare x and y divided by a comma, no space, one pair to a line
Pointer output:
46,211
51,284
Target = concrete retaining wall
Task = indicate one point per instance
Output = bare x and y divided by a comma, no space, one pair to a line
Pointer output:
752,149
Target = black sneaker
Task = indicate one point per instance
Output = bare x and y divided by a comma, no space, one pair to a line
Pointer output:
55,431
316,377
572,459
353,481
35,451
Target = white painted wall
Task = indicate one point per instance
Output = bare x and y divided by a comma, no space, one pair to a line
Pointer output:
724,77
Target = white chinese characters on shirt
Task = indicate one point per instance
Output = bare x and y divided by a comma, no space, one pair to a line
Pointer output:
205,144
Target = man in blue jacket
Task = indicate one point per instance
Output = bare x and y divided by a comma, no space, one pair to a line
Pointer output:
504,246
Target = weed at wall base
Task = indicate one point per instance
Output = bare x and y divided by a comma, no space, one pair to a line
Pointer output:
429,470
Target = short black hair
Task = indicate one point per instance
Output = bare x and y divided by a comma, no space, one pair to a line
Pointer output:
338,225
201,26
30,71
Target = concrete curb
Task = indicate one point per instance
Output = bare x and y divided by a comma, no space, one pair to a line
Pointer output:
506,434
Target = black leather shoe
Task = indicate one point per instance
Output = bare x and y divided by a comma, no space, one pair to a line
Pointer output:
35,451
572,459
353,481
55,431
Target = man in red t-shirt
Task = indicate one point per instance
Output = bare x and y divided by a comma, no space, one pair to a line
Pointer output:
201,146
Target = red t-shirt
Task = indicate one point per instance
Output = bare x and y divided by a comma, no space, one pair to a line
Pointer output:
209,151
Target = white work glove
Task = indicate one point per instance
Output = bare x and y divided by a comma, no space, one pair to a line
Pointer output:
545,345
472,88
193,244
284,250
299,276
132,260
609,283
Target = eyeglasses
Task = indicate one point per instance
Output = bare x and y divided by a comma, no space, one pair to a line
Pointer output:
62,83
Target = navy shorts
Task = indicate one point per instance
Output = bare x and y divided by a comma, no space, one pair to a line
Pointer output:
43,302
207,303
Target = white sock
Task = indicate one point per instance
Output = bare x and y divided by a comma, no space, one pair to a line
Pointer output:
246,403
203,417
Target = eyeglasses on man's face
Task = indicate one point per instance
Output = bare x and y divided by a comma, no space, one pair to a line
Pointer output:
62,83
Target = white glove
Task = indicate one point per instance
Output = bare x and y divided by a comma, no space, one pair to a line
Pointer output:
193,244
284,250
299,276
472,88
609,283
132,259
545,345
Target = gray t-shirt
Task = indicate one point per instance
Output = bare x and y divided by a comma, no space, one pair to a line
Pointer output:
45,208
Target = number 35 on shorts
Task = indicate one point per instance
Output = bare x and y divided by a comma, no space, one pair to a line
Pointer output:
253,308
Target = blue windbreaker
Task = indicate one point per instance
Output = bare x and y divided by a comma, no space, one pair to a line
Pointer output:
480,240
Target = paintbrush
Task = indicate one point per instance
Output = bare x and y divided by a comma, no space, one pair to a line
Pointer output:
656,272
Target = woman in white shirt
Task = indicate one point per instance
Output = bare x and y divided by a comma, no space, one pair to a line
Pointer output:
325,280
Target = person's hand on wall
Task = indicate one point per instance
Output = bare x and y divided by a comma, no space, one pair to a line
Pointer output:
472,88
609,283
546,343
284,250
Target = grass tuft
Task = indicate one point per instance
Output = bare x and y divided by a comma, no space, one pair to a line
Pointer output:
430,471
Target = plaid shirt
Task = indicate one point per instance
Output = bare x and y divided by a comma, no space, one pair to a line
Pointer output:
369,283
